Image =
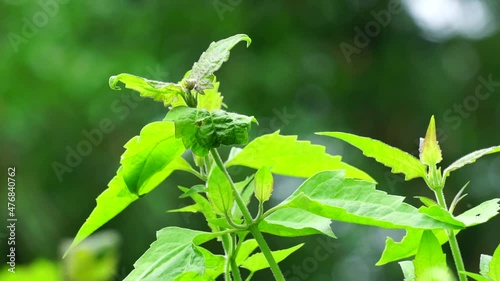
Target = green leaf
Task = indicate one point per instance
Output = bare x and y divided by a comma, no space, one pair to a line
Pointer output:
484,265
114,200
192,276
203,206
408,270
246,249
258,262
398,160
195,208
430,152
291,157
481,213
211,99
408,246
263,184
148,154
331,195
426,201
438,213
292,222
195,189
475,276
212,59
220,192
469,159
172,254
202,130
214,264
430,261
494,272
167,93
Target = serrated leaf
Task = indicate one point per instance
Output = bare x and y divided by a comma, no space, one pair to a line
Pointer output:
292,222
114,200
469,159
398,160
408,246
212,59
148,154
220,192
408,270
172,254
475,276
430,261
430,152
202,130
263,184
481,213
167,93
291,157
258,262
438,213
494,272
484,265
331,195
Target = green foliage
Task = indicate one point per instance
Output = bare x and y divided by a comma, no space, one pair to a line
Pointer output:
398,160
290,157
333,190
211,60
202,130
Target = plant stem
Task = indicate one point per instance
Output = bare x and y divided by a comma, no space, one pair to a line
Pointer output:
232,260
278,275
452,239
227,249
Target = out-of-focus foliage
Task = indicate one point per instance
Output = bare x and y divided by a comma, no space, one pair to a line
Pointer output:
63,128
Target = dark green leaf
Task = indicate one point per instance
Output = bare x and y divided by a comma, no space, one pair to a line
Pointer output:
202,130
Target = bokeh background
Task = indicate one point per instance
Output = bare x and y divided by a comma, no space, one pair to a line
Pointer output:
373,68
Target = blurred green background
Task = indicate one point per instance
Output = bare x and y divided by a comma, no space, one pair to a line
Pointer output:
373,68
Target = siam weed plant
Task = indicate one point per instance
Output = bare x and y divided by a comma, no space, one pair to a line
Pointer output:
333,190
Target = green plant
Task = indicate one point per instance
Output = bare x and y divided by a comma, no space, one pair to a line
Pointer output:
333,190
425,244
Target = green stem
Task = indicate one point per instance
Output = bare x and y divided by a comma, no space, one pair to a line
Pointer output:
226,243
278,275
232,258
452,239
